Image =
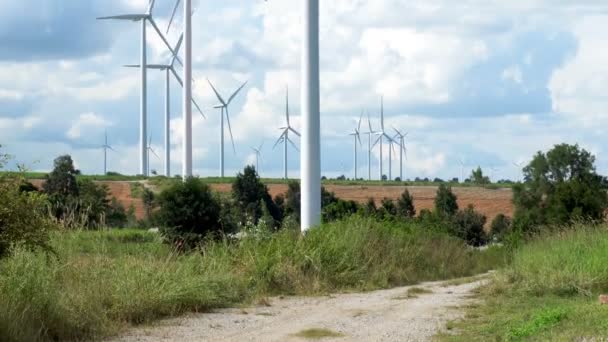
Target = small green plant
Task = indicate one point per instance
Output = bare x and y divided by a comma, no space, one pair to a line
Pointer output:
446,204
542,320
405,205
318,333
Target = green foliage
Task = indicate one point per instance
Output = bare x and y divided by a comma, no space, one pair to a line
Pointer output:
369,209
468,225
339,209
116,215
23,218
148,199
61,182
387,210
542,320
93,203
478,178
136,279
253,199
405,205
501,226
446,204
189,213
560,186
292,200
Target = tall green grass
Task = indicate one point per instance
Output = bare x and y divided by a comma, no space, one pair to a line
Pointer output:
548,292
101,282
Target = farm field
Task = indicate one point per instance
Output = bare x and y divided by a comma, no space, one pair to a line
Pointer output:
489,202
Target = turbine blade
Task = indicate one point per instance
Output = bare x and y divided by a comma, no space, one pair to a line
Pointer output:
279,140
261,145
133,17
162,37
292,144
360,118
287,104
198,108
219,97
179,79
151,6
131,65
154,153
178,46
110,147
377,141
237,92
296,132
230,130
369,122
359,138
173,15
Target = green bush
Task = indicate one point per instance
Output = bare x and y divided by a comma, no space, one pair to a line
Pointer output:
446,204
405,205
501,226
468,225
253,199
189,213
24,219
339,210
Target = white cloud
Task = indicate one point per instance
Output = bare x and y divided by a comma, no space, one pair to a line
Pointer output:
85,123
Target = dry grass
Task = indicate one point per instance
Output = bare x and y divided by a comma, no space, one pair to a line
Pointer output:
318,333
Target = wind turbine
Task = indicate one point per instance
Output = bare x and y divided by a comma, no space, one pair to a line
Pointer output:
391,151
284,137
143,17
381,135
150,149
462,166
169,69
402,150
258,153
223,106
369,148
357,136
106,147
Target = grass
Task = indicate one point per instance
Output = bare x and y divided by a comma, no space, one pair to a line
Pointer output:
413,292
549,292
99,283
318,333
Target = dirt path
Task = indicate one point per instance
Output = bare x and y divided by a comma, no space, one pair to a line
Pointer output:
386,315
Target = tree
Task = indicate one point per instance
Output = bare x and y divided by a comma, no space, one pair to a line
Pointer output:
369,209
477,177
188,213
468,225
387,209
93,204
446,204
62,180
147,198
560,186
405,205
250,194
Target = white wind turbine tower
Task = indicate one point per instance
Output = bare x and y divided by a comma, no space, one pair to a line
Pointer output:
284,137
369,148
402,150
150,149
357,136
223,106
169,69
462,166
143,17
106,147
381,135
258,153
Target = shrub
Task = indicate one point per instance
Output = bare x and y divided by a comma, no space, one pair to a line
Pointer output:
292,200
446,204
501,225
116,216
405,205
188,212
468,225
339,210
24,219
387,209
478,178
61,182
369,209
252,197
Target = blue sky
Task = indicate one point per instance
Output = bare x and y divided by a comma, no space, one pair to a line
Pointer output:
489,82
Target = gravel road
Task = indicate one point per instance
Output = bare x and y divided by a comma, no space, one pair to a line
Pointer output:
386,315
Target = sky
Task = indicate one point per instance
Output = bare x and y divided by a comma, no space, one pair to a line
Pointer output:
474,82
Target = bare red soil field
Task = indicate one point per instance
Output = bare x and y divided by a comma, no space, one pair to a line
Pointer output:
486,201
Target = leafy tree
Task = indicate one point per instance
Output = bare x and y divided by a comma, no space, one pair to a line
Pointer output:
62,180
188,213
405,205
477,177
339,210
500,226
147,197
92,203
384,178
116,215
252,196
560,186
292,200
446,204
468,225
